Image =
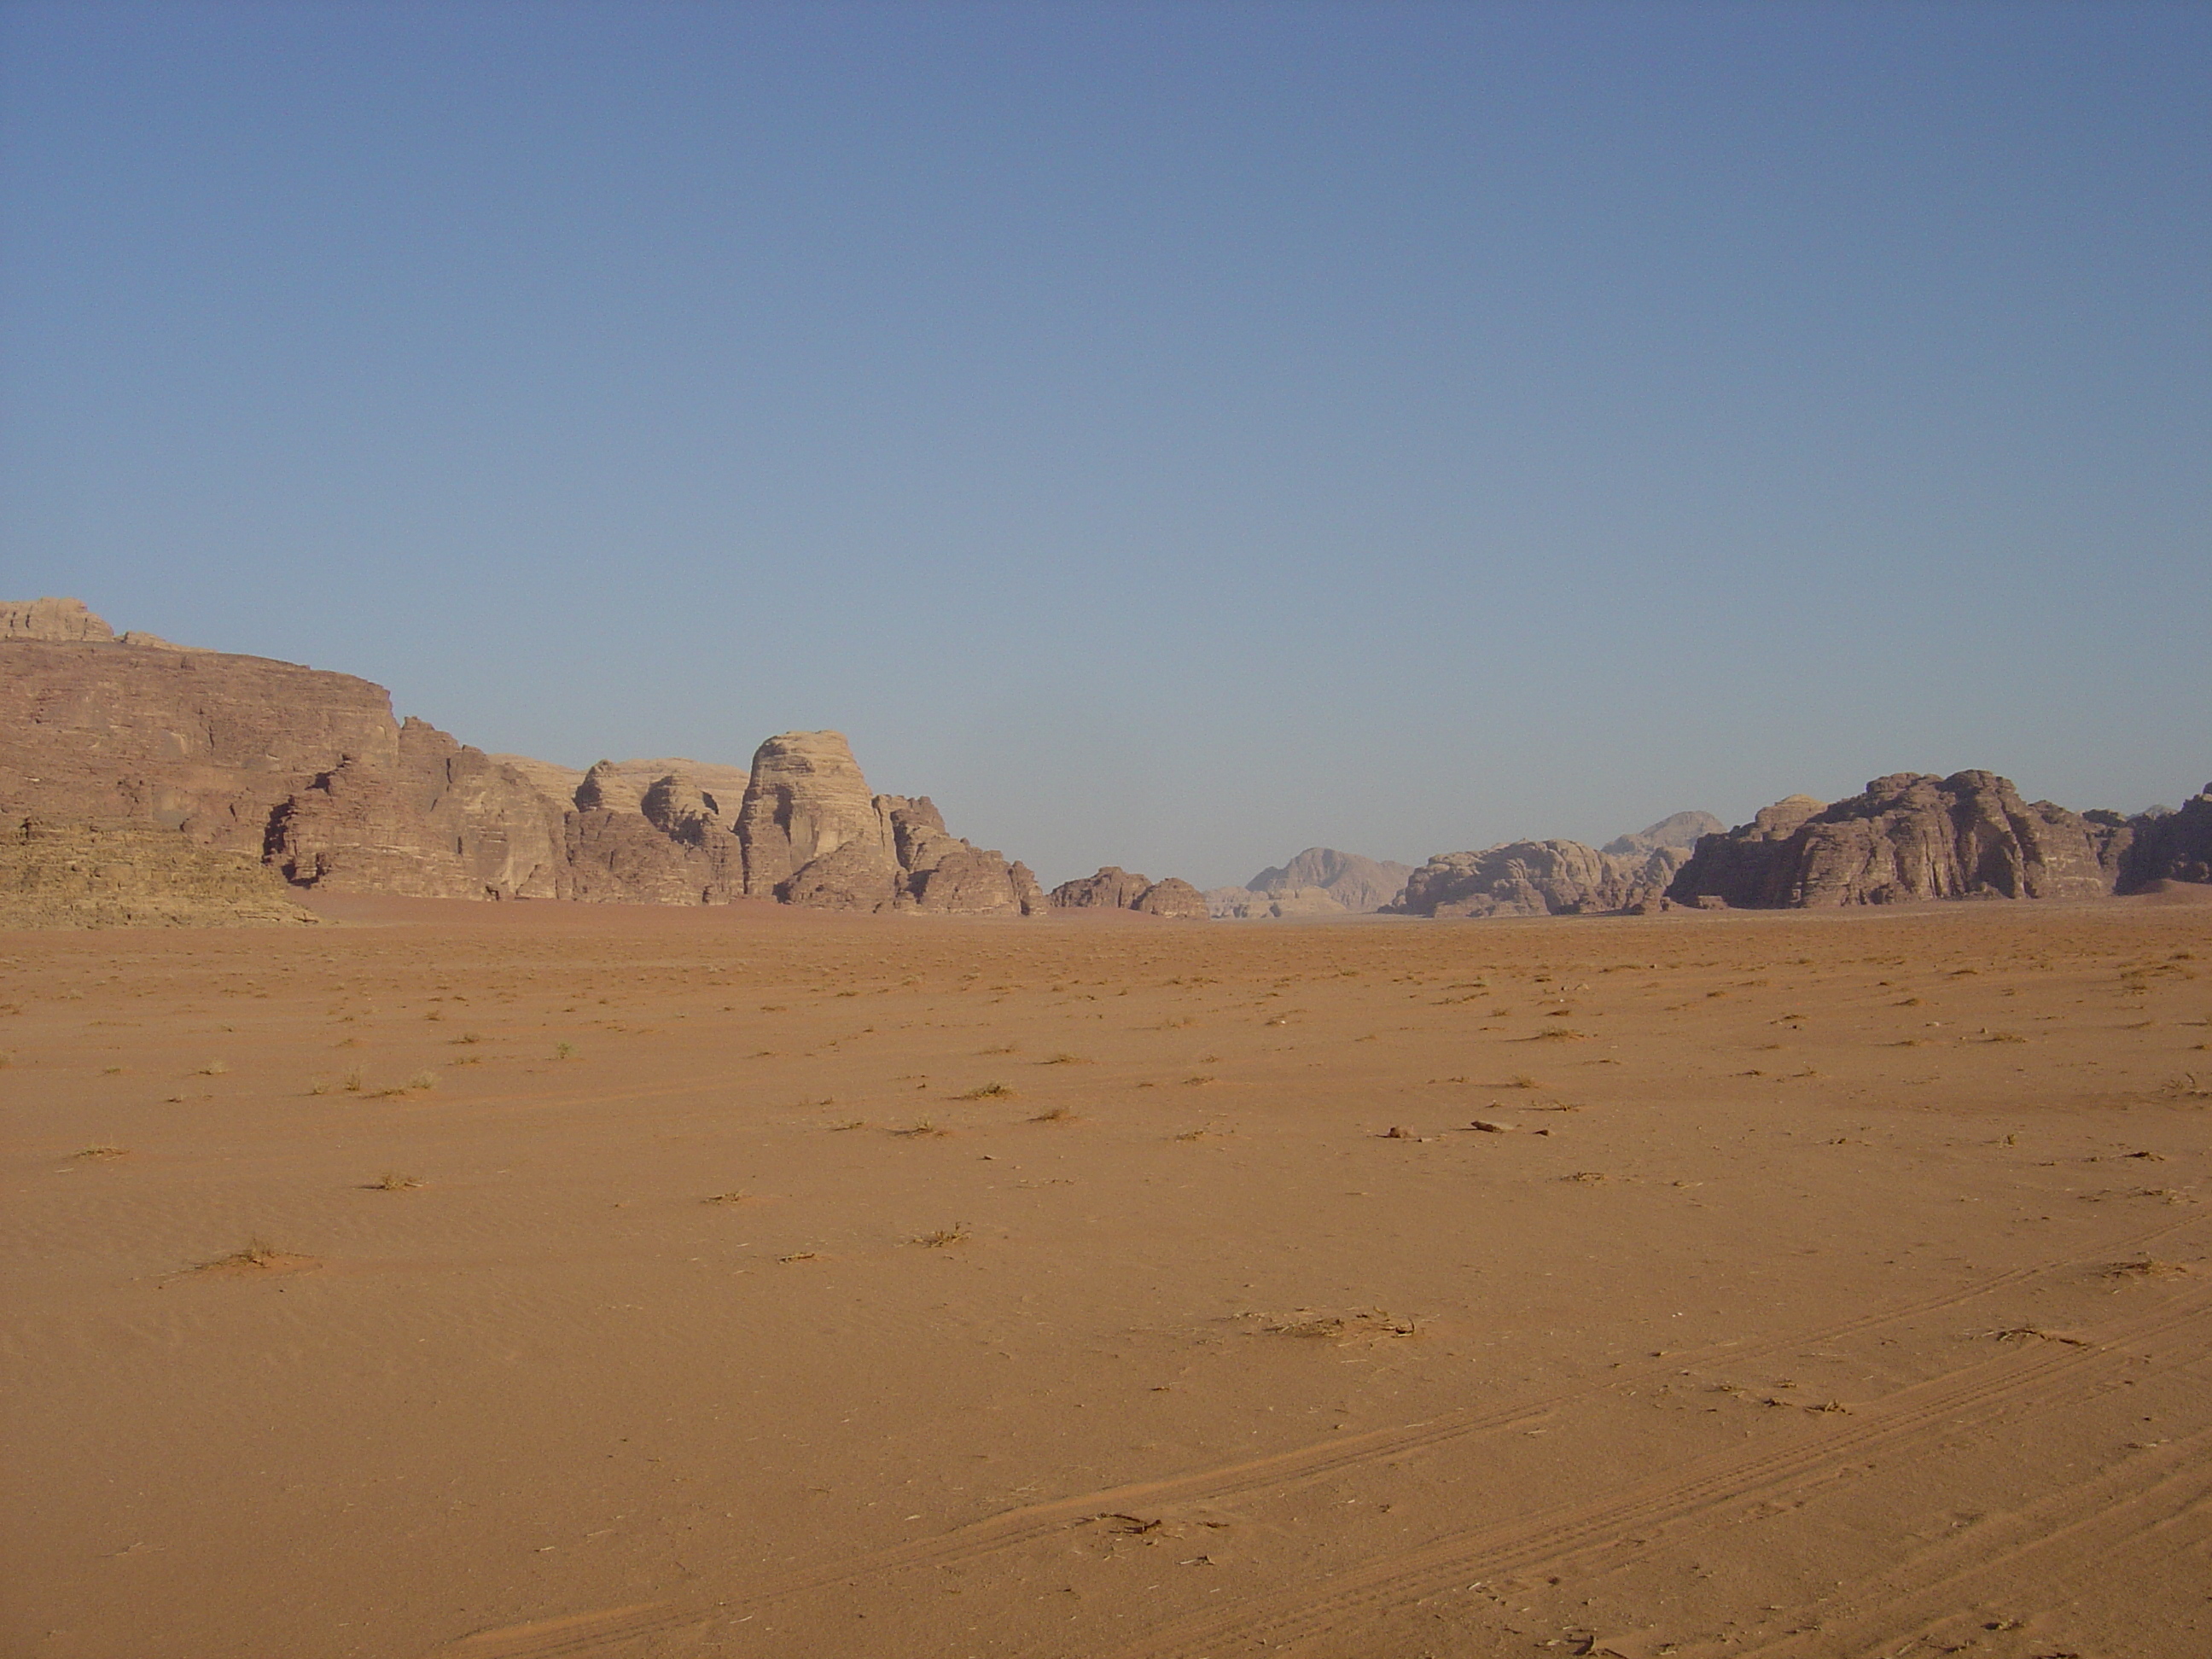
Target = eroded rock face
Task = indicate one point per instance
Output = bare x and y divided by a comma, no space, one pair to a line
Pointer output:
1538,878
682,811
2166,845
1355,882
309,772
1115,889
441,821
203,742
1112,889
807,800
1911,837
1173,898
62,621
132,874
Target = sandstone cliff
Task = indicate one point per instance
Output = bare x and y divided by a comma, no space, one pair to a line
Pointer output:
1356,883
2162,846
1912,835
1538,878
439,820
63,621
812,834
1115,889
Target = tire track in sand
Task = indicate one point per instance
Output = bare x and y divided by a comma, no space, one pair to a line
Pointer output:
1692,1492
587,1632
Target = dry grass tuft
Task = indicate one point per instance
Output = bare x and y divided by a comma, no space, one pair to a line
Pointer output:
1369,1326
943,1238
103,1152
988,1091
1056,1114
1522,1080
564,1051
2145,1267
1561,1034
213,1068
923,1129
392,1181
736,1196
256,1252
1067,1060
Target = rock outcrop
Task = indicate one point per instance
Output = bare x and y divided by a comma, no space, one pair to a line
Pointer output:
1356,883
1173,898
1115,889
133,875
812,834
1678,830
2163,846
438,820
1243,904
61,621
309,773
1909,836
1538,878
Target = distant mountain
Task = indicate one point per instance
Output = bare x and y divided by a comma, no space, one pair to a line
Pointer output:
1359,884
1677,829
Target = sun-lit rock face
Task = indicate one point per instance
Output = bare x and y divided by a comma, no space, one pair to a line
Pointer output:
1911,837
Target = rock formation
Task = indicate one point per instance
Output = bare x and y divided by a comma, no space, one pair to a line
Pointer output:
1681,829
1115,889
132,875
62,622
812,834
438,820
1355,882
1912,835
1243,904
2166,845
1174,898
806,802
308,772
1537,878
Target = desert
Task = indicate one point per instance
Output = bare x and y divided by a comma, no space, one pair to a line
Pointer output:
1086,830
536,1279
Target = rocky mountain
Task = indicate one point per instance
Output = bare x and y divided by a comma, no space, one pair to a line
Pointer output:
1358,884
2164,846
1115,889
1243,904
1538,878
1681,829
308,772
1912,835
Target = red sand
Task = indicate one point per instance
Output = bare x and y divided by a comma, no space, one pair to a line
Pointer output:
917,1288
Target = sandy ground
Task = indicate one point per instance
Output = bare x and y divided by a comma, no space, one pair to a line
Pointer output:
533,1280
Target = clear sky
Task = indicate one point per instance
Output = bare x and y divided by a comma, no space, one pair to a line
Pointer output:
1171,435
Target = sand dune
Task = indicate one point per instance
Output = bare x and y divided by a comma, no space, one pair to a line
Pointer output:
522,1281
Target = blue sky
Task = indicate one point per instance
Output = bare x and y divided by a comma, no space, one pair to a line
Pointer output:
1167,434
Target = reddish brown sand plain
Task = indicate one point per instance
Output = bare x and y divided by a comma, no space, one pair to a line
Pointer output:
508,1282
